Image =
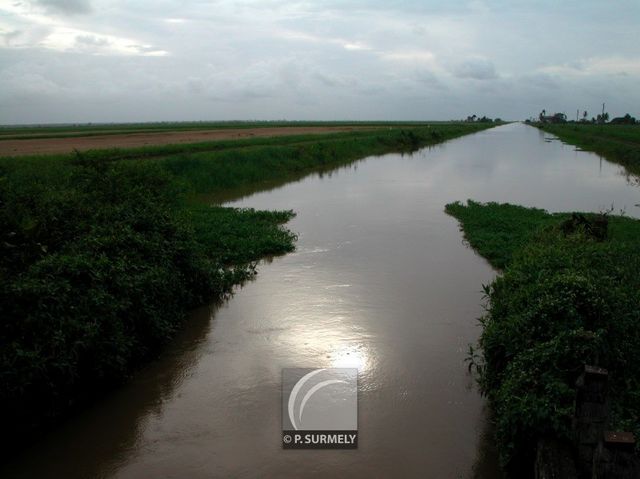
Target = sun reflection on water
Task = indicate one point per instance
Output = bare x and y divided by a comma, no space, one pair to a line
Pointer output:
351,356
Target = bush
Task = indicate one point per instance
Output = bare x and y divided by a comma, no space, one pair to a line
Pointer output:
562,302
99,265
568,297
97,272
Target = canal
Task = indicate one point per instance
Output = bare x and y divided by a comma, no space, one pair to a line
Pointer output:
382,281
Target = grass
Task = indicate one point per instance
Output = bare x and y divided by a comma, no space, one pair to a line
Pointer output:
497,231
102,254
619,143
566,298
239,236
208,171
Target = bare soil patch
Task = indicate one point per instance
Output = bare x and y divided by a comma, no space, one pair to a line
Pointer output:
131,140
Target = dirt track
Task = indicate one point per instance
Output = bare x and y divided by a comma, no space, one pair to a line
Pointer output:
132,140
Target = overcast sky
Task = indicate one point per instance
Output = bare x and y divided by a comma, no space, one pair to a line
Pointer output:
148,60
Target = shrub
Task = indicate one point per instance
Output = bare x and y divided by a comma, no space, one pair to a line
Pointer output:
562,302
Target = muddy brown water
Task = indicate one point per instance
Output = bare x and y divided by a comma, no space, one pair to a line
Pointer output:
382,281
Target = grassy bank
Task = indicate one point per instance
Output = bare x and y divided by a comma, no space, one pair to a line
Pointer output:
619,143
210,167
261,164
567,297
104,253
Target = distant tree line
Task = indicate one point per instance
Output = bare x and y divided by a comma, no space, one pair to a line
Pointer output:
482,119
600,119
624,120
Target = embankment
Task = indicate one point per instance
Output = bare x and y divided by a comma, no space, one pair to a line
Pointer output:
567,297
618,143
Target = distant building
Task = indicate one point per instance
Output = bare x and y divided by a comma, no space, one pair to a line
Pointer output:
555,118
624,120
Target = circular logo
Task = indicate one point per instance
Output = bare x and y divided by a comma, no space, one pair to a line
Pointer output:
287,439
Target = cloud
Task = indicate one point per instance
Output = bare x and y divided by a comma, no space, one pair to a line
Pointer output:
297,36
92,41
477,69
68,39
67,7
613,65
411,56
541,80
258,80
10,36
26,37
47,30
297,59
355,46
334,81
428,78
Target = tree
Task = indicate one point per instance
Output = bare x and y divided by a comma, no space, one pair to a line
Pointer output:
624,120
543,113
559,118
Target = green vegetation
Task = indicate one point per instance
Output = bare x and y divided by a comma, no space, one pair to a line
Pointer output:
205,167
496,231
98,270
104,253
619,143
206,171
568,296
